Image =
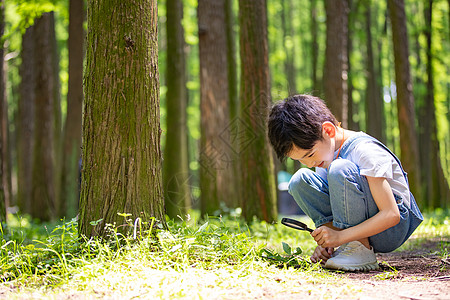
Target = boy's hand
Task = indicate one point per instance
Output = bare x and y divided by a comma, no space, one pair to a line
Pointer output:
326,237
321,254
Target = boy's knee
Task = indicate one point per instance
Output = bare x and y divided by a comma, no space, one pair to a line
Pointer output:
341,168
299,179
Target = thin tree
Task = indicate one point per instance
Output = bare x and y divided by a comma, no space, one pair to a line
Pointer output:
436,188
288,34
257,176
71,150
335,72
233,96
216,169
43,188
5,155
2,100
374,101
121,172
314,49
231,60
405,99
25,122
57,115
352,107
175,165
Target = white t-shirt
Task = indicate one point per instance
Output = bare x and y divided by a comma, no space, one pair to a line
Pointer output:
375,161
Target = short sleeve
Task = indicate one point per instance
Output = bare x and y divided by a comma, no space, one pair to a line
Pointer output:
373,160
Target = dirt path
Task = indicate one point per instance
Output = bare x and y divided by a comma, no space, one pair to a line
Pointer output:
419,274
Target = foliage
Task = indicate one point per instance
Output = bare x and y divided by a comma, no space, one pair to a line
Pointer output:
49,256
52,253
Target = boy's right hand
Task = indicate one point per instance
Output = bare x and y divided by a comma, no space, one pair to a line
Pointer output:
321,254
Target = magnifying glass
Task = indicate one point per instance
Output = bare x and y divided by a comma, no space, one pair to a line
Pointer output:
295,224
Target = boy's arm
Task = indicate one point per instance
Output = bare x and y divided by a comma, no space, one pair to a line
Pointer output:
388,216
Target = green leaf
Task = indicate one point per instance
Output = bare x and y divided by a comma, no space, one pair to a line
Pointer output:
287,248
298,251
203,227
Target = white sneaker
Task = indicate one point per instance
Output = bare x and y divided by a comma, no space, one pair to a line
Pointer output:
353,256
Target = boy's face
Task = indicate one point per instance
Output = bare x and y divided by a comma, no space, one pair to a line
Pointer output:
321,155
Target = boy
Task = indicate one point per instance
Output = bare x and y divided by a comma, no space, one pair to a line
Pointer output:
358,196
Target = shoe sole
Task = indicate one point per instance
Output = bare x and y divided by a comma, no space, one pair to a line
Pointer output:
366,267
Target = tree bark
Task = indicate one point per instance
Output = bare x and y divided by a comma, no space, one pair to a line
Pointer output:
315,49
288,34
216,169
71,150
175,165
233,92
2,101
352,108
405,98
437,189
25,123
57,116
233,96
335,72
374,103
258,191
43,188
121,172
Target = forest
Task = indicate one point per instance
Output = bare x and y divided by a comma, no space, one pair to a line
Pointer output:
166,112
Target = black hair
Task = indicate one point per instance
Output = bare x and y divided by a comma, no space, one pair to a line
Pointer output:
297,120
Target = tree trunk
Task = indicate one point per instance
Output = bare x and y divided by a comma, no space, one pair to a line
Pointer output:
57,119
2,101
233,92
352,108
437,189
71,152
315,49
25,123
420,95
233,95
335,72
405,98
216,169
43,188
374,103
258,191
175,165
121,172
288,34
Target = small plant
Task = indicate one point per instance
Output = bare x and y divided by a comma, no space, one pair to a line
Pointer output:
389,273
290,258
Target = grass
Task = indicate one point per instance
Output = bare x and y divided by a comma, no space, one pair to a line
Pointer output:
215,258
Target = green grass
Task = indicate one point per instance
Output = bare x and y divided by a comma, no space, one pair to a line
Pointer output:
193,259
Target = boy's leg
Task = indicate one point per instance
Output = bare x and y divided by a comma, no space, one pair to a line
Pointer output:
310,192
352,203
350,197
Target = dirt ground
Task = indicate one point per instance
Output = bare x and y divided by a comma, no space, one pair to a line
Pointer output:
418,274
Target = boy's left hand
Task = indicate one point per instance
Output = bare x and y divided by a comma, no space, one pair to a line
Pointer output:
326,237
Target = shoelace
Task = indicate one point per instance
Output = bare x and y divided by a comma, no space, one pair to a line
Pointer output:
347,250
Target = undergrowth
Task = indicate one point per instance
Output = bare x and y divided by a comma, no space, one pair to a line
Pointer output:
51,255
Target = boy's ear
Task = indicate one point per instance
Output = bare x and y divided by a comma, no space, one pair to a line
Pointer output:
329,129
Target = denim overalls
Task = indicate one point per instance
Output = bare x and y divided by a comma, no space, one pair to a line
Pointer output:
345,198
